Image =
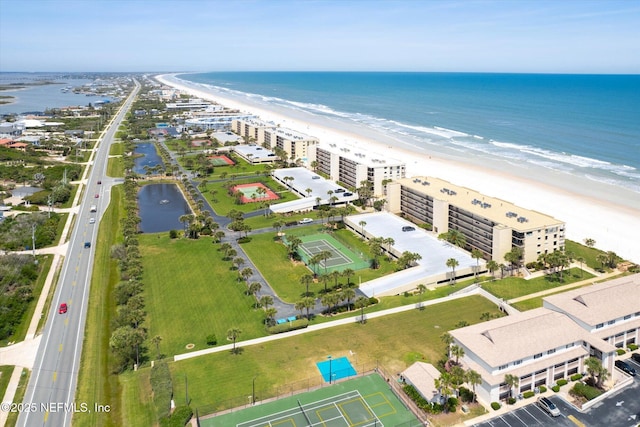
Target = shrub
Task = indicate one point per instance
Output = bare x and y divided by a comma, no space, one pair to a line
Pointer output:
466,395
452,404
632,347
576,377
620,351
585,391
495,406
556,388
288,326
528,394
212,340
511,401
173,234
542,389
562,382
373,300
180,417
244,239
162,387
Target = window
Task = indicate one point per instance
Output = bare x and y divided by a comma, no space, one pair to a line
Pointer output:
611,322
553,350
570,345
517,362
500,368
599,325
537,356
627,317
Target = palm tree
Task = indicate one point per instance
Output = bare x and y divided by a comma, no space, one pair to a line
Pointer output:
473,378
455,237
389,242
313,262
156,341
225,247
270,313
512,381
347,295
596,370
477,254
254,288
308,191
246,273
266,301
458,352
347,272
361,303
335,275
309,303
299,305
362,224
293,243
306,280
447,338
452,263
602,259
589,242
324,256
492,266
232,335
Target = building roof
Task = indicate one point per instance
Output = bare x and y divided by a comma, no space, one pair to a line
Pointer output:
497,210
422,376
255,151
361,155
601,302
516,337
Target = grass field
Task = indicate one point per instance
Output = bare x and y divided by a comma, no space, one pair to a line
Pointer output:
95,380
223,380
12,419
531,303
5,375
283,275
370,391
190,292
513,287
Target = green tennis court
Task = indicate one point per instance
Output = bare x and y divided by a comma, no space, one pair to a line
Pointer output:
362,402
341,257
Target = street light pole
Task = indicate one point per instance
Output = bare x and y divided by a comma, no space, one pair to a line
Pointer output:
329,357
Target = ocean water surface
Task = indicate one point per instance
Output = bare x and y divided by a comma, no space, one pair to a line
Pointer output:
587,126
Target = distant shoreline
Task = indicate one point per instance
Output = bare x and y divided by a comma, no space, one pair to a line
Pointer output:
614,222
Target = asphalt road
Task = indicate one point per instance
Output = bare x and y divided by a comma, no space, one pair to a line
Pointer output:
50,395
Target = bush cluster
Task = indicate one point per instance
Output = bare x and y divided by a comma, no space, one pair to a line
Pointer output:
421,402
180,417
586,391
495,406
620,351
562,382
528,394
542,389
511,401
632,347
288,326
465,394
576,377
556,388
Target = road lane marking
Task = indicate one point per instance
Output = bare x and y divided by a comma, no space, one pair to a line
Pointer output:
55,376
576,421
73,283
60,348
46,415
66,321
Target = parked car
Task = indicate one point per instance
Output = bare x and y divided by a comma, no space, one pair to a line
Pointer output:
625,367
339,190
87,244
63,308
636,357
548,406
92,220
305,221
408,228
290,223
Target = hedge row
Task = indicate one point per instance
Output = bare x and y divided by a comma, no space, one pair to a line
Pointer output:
288,326
585,391
162,387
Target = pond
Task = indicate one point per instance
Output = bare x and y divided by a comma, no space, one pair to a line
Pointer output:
149,158
161,206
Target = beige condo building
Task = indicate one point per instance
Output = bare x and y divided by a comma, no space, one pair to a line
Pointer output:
489,224
295,144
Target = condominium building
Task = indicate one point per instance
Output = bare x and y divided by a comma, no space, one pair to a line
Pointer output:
609,310
537,346
294,143
491,225
217,120
351,166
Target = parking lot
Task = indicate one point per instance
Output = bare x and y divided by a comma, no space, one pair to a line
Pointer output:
621,409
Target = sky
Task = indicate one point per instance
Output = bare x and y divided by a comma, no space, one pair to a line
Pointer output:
559,36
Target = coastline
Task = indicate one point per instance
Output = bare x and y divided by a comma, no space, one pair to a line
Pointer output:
611,218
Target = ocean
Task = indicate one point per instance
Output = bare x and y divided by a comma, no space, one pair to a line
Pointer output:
586,126
40,97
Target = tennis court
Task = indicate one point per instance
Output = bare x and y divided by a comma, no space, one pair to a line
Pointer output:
252,193
341,257
362,402
220,161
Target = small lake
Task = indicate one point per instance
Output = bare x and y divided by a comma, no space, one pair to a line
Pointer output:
160,207
149,157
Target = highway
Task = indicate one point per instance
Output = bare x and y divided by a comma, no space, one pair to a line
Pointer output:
50,395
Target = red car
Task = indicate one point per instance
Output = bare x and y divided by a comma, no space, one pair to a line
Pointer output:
97,195
63,308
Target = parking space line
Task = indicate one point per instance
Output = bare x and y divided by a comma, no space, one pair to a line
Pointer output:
515,414
504,421
531,415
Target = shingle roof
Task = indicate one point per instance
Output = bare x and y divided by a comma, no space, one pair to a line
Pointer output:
601,302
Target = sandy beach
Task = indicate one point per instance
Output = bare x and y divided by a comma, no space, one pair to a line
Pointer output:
595,213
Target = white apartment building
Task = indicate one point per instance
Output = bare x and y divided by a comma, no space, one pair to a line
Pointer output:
489,224
294,143
351,165
538,346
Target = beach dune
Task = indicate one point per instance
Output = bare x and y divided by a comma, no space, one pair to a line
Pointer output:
614,226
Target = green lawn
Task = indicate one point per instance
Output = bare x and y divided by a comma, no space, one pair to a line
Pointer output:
191,293
96,382
116,149
530,304
589,254
223,380
5,376
271,259
513,287
12,419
